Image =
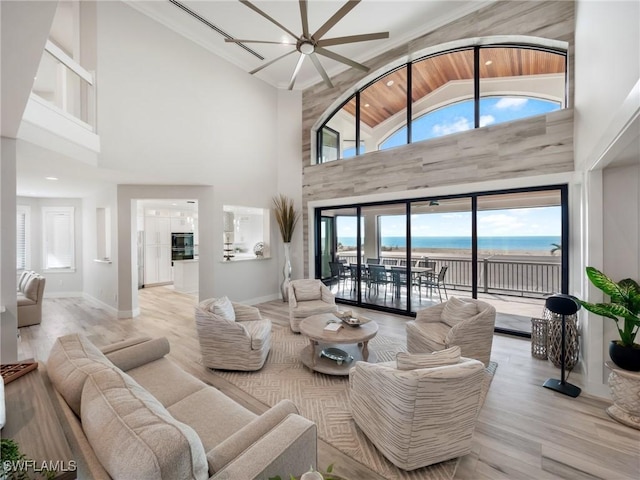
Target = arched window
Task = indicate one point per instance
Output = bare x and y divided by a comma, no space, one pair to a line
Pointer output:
455,118
449,92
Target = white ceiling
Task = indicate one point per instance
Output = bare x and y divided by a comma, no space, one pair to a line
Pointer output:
404,20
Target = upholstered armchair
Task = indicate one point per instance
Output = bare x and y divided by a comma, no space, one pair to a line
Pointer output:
308,297
414,415
232,337
29,298
467,323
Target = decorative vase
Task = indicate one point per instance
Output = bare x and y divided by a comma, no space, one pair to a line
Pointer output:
286,272
627,358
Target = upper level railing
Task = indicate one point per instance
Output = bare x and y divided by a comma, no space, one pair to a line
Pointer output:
63,83
517,276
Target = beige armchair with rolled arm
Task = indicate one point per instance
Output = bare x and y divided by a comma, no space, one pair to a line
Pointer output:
308,297
420,409
232,336
467,323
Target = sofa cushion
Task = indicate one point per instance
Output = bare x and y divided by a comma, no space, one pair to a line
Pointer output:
313,307
72,358
432,335
24,301
167,382
31,288
224,308
307,290
457,310
412,361
213,415
134,436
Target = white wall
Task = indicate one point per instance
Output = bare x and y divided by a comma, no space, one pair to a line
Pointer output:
100,279
607,69
166,105
58,283
621,228
607,66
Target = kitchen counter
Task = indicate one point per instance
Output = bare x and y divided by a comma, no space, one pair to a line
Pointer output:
185,275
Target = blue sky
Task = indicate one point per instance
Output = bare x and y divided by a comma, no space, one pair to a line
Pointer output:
538,221
459,117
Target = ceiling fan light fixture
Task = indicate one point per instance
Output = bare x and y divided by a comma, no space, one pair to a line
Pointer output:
307,48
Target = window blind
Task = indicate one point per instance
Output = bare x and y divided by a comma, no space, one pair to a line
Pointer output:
59,248
22,237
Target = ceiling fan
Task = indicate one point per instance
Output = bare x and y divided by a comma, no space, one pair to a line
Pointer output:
308,45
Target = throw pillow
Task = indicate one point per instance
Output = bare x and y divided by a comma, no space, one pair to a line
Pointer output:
307,290
224,308
31,288
412,361
457,310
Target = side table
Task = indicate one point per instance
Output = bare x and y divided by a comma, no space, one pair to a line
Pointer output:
625,391
33,424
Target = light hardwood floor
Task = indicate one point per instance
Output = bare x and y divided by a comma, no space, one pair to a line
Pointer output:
524,431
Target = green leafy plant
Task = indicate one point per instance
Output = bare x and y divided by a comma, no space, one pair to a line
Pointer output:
556,248
11,457
624,307
286,216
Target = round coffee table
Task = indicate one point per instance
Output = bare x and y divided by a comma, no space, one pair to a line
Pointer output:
350,342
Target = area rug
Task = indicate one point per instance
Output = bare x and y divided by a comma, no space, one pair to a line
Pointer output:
324,399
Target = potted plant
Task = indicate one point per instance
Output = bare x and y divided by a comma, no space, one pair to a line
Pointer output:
624,309
287,217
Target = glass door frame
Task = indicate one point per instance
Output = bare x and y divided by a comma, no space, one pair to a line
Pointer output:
474,196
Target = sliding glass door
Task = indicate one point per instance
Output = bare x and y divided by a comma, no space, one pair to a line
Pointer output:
507,248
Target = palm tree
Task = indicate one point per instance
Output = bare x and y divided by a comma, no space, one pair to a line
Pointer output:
557,247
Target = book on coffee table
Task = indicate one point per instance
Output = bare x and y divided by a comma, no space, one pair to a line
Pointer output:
332,327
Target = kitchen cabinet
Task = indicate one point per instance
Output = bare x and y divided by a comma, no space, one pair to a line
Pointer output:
157,249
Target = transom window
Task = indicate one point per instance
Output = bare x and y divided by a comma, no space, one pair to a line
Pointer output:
445,94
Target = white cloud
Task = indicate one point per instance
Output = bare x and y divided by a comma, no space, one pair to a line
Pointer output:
487,120
511,102
459,124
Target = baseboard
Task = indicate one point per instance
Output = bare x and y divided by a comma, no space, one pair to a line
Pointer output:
128,313
106,306
63,294
257,300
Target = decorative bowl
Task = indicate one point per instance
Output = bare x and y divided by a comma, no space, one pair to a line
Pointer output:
337,355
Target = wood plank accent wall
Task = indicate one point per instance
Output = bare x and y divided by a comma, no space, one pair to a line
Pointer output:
533,146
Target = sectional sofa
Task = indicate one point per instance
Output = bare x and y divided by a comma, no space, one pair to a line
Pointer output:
130,412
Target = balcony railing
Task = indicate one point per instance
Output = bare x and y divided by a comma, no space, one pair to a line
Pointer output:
519,276
66,85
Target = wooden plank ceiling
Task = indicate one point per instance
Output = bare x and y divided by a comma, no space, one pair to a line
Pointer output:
387,96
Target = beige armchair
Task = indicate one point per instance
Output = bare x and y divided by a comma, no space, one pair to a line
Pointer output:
417,417
30,295
242,343
467,323
308,297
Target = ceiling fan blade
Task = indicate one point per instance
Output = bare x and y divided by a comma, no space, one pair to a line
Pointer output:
341,59
270,62
296,71
257,10
321,70
235,40
346,8
305,18
352,39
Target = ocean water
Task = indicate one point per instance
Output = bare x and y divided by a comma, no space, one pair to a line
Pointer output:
531,243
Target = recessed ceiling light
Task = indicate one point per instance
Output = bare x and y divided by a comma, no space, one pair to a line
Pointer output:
389,83
366,105
488,62
51,178
174,204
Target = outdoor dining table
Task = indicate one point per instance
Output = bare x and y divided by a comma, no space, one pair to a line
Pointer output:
396,271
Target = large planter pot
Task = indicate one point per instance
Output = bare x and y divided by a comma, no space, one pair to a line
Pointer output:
625,393
627,358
